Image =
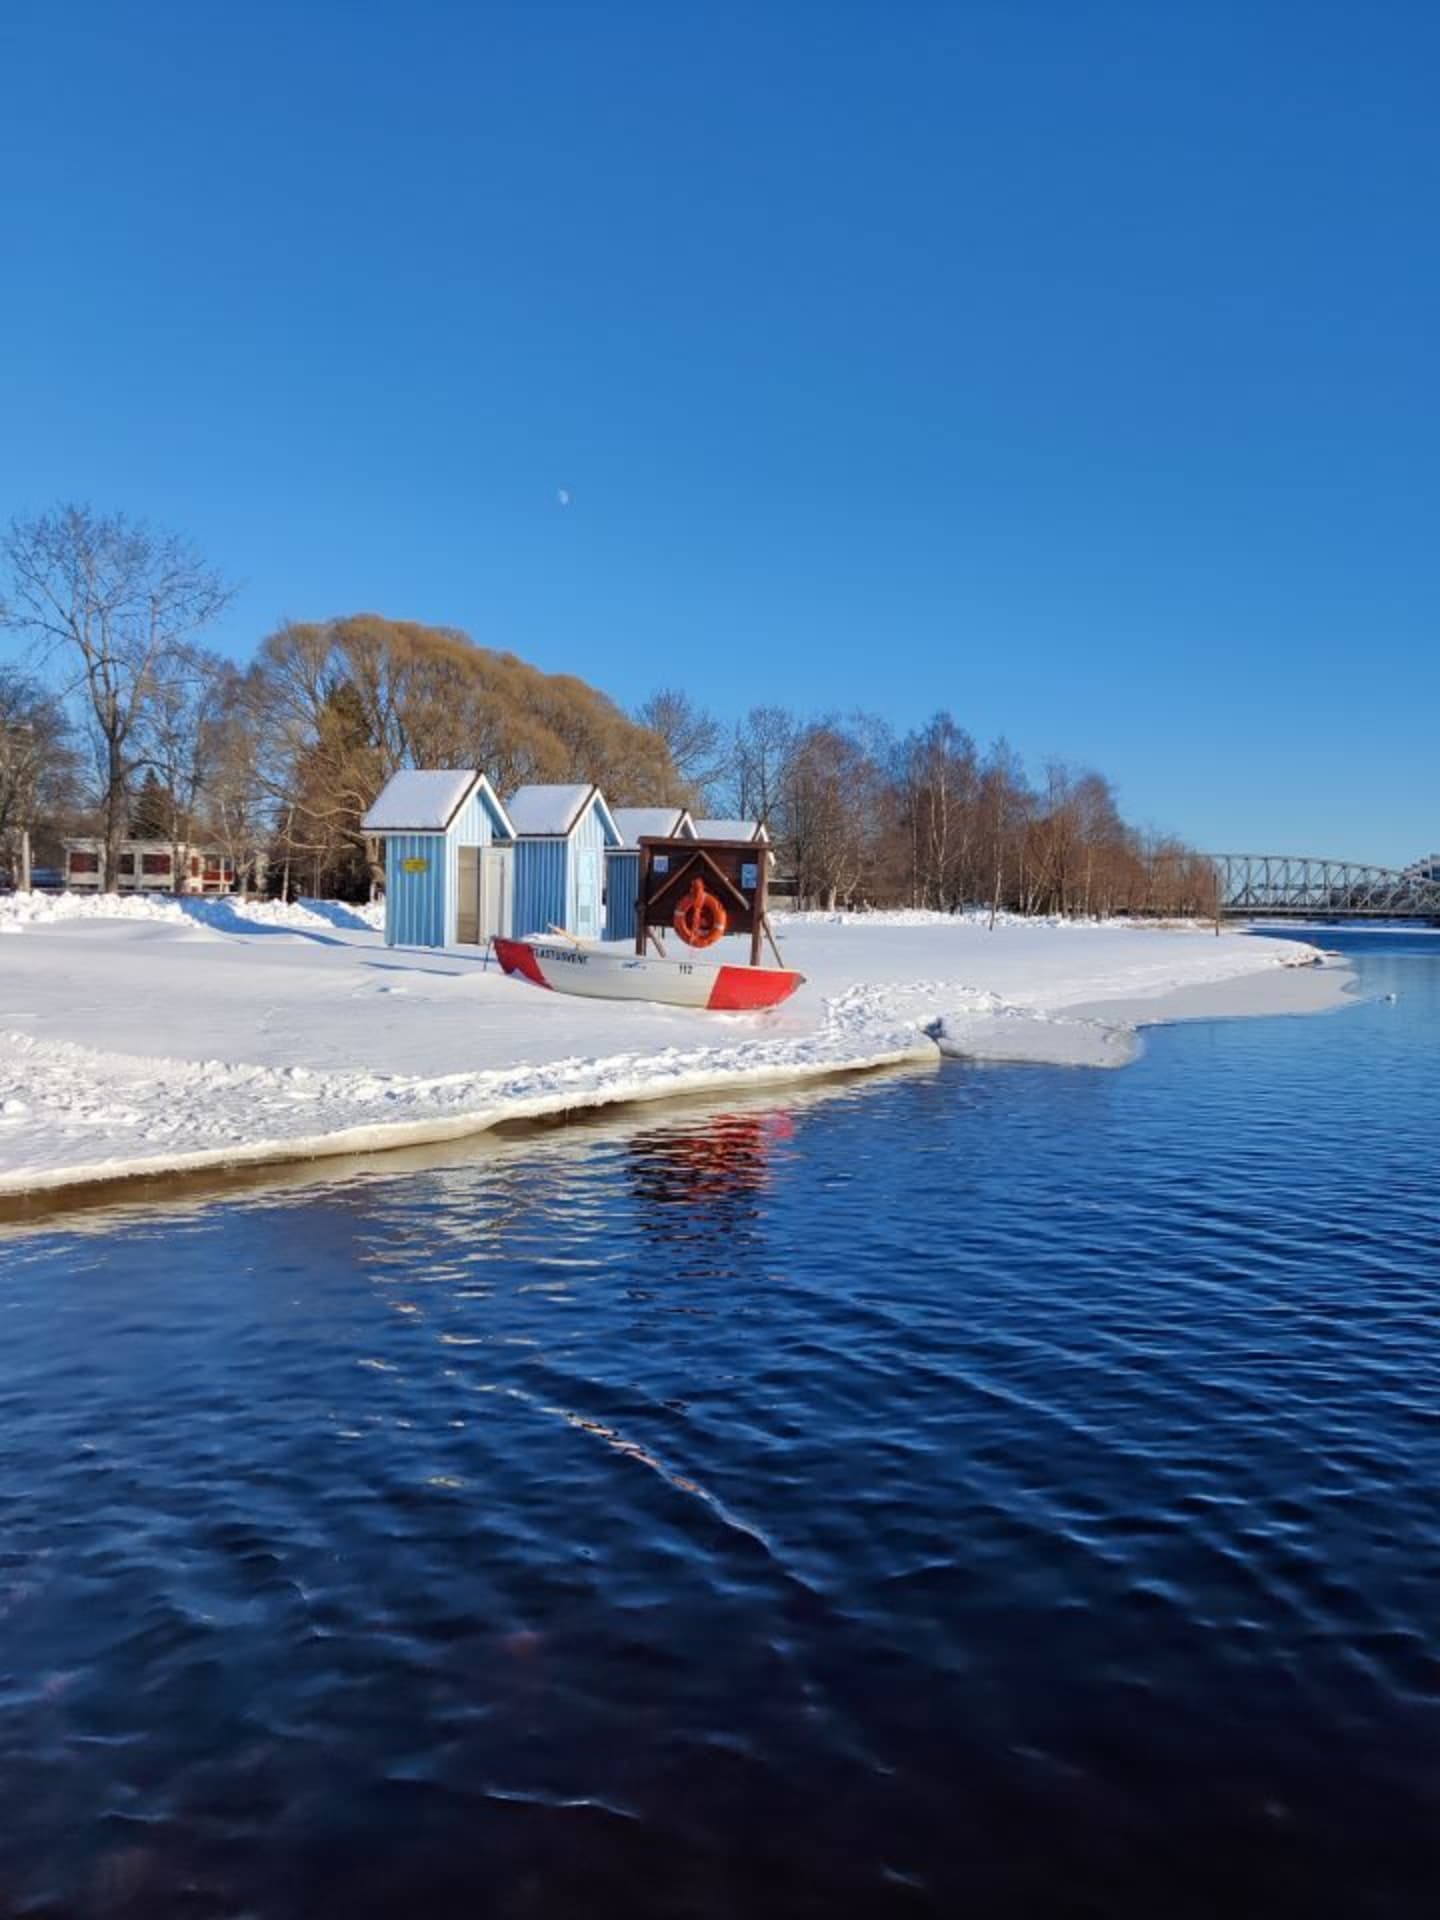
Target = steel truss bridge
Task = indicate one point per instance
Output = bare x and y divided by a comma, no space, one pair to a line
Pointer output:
1282,885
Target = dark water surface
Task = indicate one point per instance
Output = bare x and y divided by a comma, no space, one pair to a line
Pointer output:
975,1492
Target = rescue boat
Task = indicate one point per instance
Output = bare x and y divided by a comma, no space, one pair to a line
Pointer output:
599,974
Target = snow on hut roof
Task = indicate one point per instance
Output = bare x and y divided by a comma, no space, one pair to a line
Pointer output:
420,800
730,830
548,809
660,823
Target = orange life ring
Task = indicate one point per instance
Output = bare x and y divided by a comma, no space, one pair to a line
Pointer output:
699,919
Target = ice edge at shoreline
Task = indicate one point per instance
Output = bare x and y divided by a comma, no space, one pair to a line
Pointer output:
1101,1034
379,1136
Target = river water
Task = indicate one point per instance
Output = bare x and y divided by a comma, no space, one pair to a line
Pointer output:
1008,1491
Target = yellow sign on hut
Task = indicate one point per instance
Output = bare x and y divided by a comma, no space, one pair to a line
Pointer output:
414,866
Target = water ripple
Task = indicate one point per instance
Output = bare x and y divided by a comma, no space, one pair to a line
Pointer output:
1008,1492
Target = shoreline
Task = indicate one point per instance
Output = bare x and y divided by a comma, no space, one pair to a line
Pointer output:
157,1044
1293,990
172,1189
382,1137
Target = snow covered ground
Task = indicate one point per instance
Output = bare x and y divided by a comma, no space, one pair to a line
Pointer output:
148,1035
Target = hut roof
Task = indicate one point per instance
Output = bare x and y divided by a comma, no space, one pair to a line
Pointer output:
543,809
552,812
425,800
730,830
660,823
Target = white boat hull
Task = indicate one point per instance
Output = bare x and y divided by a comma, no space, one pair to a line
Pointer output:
595,974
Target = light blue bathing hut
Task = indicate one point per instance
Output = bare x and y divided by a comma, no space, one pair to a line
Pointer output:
449,857
622,863
561,836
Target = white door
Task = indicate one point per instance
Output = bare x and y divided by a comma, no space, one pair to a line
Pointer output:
497,880
467,903
587,893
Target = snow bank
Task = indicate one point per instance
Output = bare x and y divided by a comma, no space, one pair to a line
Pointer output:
148,1035
21,910
968,1023
226,913
184,1115
340,913
973,917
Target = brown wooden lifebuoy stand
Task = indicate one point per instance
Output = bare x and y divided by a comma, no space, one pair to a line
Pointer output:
737,872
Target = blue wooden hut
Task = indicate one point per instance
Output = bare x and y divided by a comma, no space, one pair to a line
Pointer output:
561,835
622,863
449,857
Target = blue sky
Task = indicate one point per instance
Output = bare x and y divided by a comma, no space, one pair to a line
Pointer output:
1071,366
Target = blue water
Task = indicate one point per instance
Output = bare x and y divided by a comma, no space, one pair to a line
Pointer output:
1008,1492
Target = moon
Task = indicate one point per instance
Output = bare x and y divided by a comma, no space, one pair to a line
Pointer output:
562,494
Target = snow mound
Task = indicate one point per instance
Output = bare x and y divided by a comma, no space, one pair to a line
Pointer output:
230,914
18,910
969,1023
222,913
347,917
969,918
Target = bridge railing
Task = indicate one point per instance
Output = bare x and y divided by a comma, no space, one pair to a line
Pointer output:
1283,883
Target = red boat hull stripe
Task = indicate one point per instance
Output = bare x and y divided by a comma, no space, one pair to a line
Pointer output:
742,989
516,957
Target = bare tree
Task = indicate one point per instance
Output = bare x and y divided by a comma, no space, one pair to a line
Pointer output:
108,600
183,736
764,743
694,738
18,770
830,810
1004,802
235,801
38,767
939,787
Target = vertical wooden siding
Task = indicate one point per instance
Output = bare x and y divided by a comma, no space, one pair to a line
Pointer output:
622,887
415,903
547,886
542,885
587,833
421,908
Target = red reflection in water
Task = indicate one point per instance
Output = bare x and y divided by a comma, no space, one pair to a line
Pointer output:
726,1158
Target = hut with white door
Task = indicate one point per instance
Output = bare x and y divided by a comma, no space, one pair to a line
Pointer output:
561,837
622,863
449,857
